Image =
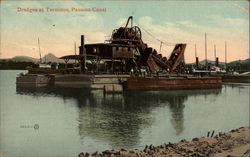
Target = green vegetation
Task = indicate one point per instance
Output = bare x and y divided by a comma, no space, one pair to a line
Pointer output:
9,64
243,65
238,65
21,62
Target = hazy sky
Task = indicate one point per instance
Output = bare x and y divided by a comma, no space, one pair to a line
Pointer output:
168,21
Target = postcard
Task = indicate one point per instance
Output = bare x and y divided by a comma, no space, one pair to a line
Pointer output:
124,78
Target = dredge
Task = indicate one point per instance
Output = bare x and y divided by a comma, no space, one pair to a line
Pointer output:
124,62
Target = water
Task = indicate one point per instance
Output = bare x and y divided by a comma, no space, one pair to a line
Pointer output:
72,121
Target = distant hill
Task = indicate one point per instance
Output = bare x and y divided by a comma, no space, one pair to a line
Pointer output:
243,65
51,58
20,59
47,58
233,63
238,65
203,62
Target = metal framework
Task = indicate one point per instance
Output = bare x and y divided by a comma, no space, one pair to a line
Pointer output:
126,52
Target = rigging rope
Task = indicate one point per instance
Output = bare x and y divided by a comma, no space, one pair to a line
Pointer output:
165,43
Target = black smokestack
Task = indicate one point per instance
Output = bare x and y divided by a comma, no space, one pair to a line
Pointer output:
82,40
197,62
217,61
82,45
82,52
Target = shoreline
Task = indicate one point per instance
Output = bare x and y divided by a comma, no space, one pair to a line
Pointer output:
232,144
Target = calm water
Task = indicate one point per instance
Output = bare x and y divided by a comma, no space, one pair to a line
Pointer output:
71,121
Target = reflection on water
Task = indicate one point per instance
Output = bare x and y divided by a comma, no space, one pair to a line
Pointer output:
73,120
119,118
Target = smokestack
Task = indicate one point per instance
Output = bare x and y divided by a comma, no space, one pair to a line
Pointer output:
82,51
82,40
217,62
82,45
197,62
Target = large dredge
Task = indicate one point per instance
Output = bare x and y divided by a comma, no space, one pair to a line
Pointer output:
126,52
124,62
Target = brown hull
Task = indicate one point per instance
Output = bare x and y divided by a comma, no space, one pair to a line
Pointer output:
141,83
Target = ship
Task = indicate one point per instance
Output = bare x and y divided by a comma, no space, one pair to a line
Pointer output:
124,62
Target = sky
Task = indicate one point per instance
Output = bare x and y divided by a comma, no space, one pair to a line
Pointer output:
168,21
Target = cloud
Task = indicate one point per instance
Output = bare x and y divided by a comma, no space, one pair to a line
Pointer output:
23,29
57,31
234,30
241,7
188,24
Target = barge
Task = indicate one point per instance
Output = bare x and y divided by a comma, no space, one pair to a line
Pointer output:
174,83
124,62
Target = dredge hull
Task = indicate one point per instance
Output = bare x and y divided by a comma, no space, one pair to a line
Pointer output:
144,83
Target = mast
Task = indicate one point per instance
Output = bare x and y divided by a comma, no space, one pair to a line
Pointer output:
75,47
206,50
39,50
215,52
195,51
226,54
160,46
196,58
75,50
